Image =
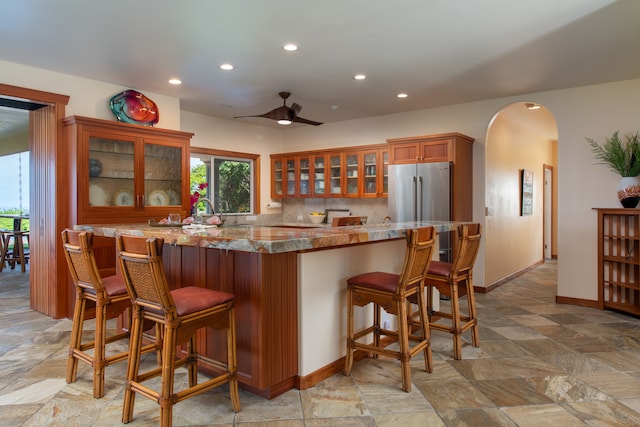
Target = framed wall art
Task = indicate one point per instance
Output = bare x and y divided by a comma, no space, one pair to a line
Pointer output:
526,193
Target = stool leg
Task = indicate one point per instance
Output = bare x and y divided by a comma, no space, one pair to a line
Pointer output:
18,251
133,366
348,360
426,332
232,367
99,350
473,314
403,338
455,320
5,247
168,367
76,337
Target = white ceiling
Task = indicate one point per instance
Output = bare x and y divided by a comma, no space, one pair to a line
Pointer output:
440,52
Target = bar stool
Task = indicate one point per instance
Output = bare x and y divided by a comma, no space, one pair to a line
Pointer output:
180,313
13,249
96,297
455,281
394,292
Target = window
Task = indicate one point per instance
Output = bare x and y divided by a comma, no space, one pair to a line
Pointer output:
230,180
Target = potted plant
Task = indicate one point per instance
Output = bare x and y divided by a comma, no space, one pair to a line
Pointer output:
622,155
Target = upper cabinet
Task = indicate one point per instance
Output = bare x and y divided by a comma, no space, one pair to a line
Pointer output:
447,147
353,172
127,173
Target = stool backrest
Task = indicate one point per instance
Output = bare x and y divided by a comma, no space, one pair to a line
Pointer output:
78,249
417,256
468,246
143,273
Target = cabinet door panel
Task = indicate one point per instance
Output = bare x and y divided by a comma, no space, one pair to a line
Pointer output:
162,175
436,151
277,179
110,172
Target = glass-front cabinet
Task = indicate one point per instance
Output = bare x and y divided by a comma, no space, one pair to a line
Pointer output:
128,173
384,154
352,174
319,171
277,178
291,176
335,174
357,172
304,176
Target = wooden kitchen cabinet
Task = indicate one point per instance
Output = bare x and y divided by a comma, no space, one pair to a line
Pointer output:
449,147
351,172
266,300
126,173
619,260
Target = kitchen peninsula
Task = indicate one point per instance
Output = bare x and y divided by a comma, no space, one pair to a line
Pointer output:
289,283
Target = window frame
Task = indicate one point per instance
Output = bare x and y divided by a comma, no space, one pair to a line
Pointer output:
232,155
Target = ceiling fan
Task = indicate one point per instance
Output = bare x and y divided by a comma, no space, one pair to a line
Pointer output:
285,115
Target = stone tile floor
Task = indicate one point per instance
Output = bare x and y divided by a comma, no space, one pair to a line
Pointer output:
539,364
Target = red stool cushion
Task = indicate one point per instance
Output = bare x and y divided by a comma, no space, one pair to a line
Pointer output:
114,285
439,268
192,299
387,282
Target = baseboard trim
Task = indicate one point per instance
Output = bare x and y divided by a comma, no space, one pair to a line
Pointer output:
577,301
494,285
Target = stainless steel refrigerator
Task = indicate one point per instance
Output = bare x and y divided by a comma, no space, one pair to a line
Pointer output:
422,192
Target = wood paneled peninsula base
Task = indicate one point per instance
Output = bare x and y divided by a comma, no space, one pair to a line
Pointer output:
289,283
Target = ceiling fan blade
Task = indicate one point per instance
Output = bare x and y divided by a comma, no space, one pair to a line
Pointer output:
284,112
295,109
265,115
306,121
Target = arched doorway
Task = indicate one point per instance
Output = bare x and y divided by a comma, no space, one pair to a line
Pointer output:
519,139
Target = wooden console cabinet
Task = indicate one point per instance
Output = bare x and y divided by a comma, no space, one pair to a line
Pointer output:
619,260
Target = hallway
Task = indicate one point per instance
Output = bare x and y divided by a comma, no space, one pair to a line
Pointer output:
539,364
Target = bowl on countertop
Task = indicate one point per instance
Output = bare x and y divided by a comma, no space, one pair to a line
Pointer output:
316,219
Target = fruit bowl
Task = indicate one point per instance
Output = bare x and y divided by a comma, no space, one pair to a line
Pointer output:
316,218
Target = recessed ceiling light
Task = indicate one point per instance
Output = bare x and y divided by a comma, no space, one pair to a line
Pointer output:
532,106
402,95
226,67
360,76
290,47
334,107
175,81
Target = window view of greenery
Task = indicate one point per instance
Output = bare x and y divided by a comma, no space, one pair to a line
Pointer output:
225,181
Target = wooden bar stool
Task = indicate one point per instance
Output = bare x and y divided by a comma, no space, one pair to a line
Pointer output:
394,292
96,297
13,248
180,313
455,281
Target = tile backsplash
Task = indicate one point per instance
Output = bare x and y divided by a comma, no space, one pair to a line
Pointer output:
375,209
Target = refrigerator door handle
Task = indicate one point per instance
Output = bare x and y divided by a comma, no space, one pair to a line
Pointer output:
419,199
414,190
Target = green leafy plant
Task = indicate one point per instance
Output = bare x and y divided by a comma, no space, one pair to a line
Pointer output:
621,156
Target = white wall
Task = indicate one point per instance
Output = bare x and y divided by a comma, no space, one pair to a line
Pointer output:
88,98
591,111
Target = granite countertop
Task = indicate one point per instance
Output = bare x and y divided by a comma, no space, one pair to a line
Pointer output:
268,239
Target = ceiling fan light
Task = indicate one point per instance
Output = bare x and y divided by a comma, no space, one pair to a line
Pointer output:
284,122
